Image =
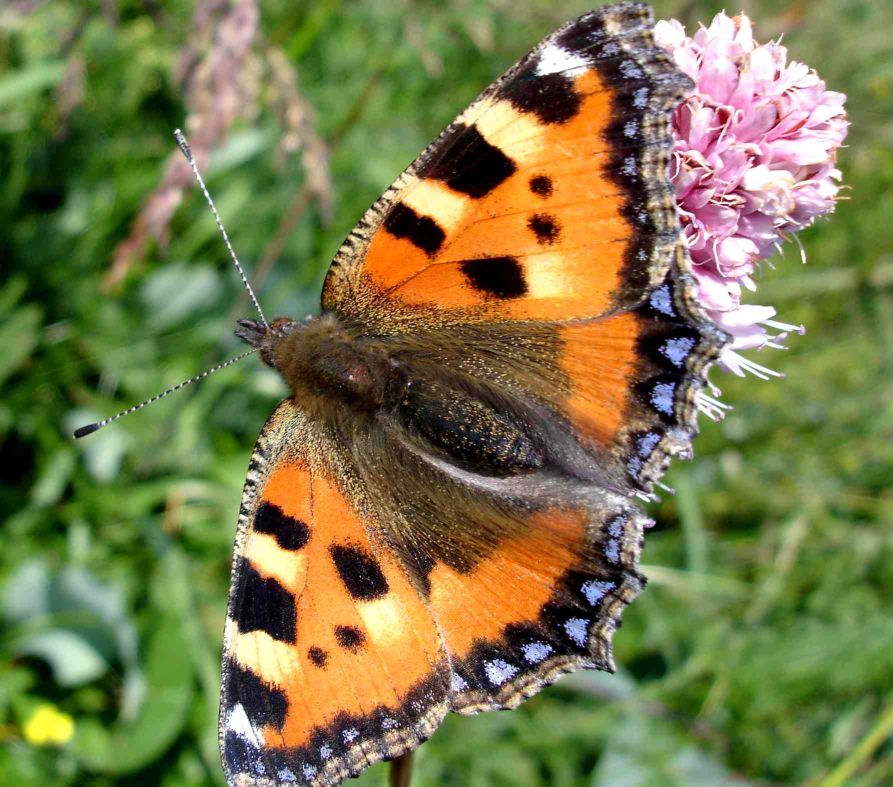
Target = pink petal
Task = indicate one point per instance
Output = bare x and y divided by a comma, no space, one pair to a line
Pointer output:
802,151
719,219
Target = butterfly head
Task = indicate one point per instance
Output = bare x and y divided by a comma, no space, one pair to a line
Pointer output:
321,359
265,337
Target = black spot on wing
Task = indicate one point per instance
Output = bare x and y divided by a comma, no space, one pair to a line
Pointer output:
551,97
545,227
350,637
499,276
587,36
240,755
264,605
318,657
541,185
359,571
471,165
421,231
290,533
264,704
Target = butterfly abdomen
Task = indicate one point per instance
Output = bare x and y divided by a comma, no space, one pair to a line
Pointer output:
343,375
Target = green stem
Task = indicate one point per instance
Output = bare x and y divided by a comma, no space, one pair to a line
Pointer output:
882,729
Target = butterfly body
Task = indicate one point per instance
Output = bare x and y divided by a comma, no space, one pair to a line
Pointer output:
441,516
413,387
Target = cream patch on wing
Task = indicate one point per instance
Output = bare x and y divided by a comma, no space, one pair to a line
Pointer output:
517,134
546,275
271,560
385,621
435,199
266,657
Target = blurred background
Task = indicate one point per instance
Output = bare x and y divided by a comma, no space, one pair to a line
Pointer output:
761,652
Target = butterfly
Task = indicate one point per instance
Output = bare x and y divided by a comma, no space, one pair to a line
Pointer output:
442,516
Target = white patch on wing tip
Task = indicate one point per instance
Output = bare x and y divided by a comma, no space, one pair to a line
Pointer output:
237,722
499,671
554,59
285,775
457,683
309,772
325,751
350,735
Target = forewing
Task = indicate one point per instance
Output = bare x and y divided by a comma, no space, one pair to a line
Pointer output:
547,199
548,203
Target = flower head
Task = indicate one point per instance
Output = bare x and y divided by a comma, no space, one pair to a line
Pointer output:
754,161
48,726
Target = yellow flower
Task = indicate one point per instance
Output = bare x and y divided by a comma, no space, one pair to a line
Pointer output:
48,726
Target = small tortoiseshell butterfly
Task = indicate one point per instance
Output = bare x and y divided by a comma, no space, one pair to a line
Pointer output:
440,517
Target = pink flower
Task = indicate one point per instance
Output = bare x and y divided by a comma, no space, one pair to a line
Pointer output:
754,162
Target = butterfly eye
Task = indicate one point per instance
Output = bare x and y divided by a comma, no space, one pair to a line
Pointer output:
283,325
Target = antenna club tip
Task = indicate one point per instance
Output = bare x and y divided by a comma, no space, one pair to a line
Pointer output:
183,144
85,430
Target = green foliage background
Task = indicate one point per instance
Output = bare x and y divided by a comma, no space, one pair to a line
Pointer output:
760,653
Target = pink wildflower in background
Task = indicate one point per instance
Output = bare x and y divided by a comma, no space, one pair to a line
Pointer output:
754,162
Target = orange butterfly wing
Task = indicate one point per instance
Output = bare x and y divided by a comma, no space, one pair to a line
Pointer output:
332,660
545,200
542,604
335,657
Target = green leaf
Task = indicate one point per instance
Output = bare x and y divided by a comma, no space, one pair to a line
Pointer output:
53,478
70,616
19,85
19,328
177,292
72,658
647,751
128,747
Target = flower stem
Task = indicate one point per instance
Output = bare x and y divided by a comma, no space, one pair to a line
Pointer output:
401,770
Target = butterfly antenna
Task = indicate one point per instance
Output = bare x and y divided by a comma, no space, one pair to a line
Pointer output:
187,152
90,428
